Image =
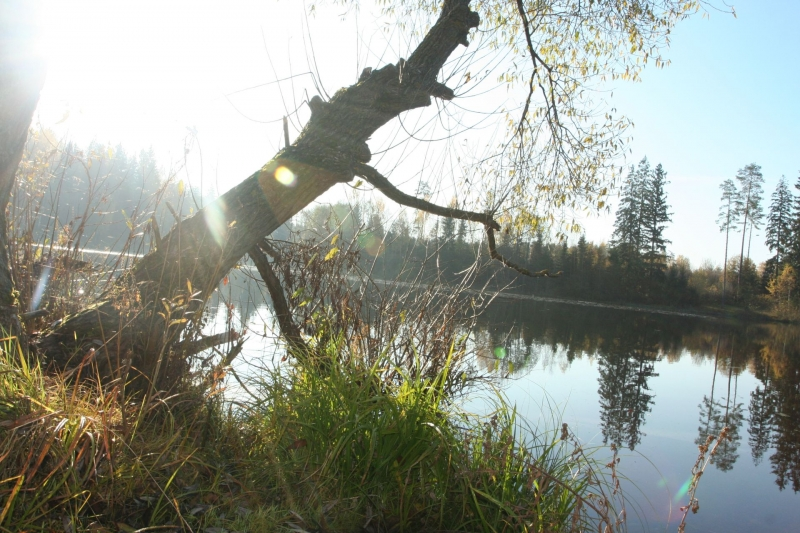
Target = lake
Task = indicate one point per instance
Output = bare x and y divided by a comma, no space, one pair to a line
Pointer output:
658,385
655,385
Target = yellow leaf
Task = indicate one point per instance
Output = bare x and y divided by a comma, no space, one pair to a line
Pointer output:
330,255
181,188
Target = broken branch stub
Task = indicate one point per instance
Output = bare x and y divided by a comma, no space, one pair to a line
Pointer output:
335,137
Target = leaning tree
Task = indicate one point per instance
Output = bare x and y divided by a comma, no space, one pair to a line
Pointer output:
559,154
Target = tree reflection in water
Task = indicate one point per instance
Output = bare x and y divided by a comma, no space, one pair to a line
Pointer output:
628,346
726,411
775,407
625,396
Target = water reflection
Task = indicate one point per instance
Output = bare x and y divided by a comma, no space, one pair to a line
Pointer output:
775,407
723,411
625,367
629,348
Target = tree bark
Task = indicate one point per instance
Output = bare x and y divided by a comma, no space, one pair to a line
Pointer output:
131,321
22,74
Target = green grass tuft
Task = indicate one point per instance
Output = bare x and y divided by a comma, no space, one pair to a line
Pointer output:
335,447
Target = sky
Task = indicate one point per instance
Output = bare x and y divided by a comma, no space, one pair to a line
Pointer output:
202,75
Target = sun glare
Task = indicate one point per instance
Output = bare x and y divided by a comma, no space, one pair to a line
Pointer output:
285,177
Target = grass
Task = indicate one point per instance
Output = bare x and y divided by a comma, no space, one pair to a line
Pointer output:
342,447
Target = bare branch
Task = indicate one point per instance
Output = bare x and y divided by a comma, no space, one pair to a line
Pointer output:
536,60
381,183
522,270
385,186
196,346
288,328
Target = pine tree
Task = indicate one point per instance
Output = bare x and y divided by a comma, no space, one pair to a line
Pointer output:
778,231
461,235
748,203
581,251
756,219
400,227
655,217
629,220
728,218
638,245
793,252
448,226
628,238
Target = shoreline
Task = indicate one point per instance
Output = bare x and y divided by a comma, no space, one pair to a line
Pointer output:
732,313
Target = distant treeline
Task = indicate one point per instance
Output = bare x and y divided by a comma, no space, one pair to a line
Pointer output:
635,265
96,196
101,196
448,250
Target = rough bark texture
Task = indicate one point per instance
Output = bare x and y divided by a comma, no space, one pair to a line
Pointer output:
22,74
204,247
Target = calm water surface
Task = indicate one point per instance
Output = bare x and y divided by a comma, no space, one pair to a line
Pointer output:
657,386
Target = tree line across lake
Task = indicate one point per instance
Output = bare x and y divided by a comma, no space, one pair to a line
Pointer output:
102,197
635,265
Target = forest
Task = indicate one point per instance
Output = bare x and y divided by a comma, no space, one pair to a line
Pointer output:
634,265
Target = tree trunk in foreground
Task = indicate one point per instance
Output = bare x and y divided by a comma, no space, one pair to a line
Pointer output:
132,322
22,74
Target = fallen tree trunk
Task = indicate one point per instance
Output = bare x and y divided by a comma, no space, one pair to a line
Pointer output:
144,312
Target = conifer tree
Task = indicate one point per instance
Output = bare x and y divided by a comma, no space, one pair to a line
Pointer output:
748,203
448,226
778,220
461,235
728,218
656,215
628,238
793,252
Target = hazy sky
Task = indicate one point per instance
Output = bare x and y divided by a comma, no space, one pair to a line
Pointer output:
167,73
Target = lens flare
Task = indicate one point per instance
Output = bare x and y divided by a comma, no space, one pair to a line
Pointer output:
683,490
371,244
41,286
214,216
285,177
500,352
